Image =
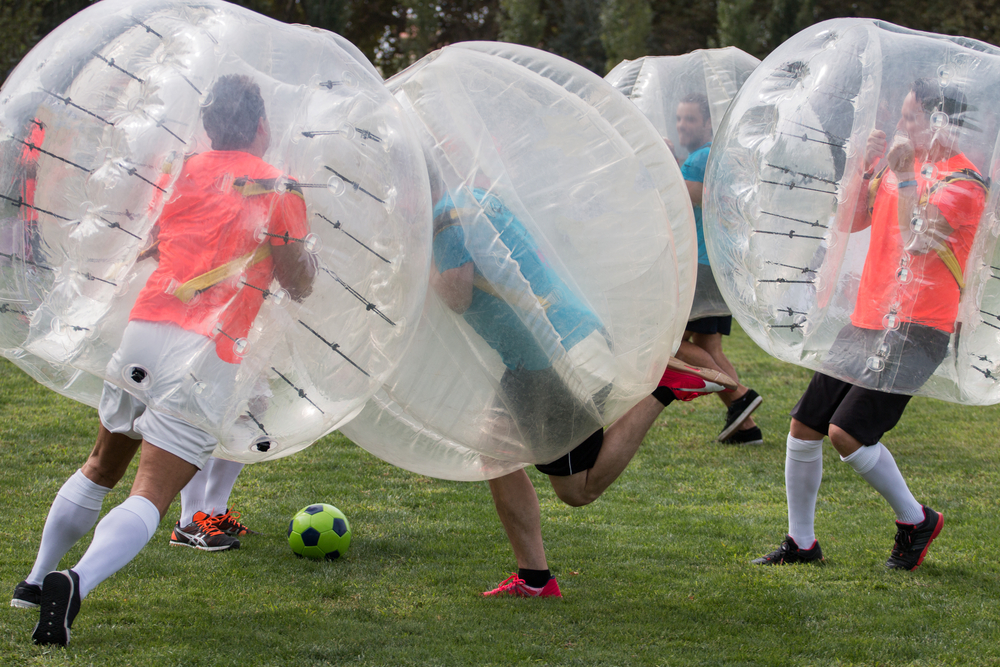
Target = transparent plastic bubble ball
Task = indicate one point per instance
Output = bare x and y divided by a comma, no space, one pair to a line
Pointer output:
103,132
563,265
680,95
847,212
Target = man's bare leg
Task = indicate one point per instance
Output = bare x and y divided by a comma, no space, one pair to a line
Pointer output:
710,346
621,441
127,528
517,506
161,476
109,459
77,505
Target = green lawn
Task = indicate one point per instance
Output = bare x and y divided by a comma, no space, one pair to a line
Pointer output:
654,573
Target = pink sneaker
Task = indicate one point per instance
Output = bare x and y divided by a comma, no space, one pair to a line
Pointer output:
514,585
688,382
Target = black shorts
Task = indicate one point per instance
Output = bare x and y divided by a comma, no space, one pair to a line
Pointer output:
544,411
711,325
914,351
865,414
582,458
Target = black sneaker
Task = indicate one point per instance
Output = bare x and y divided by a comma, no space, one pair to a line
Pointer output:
229,523
26,596
912,541
750,436
789,552
202,534
60,604
741,408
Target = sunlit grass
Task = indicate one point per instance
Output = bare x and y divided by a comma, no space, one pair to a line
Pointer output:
654,573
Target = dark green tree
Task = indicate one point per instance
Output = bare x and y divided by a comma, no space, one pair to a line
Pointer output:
24,23
681,26
573,31
625,29
521,22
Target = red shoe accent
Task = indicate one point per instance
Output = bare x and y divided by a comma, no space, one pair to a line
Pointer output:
688,382
937,531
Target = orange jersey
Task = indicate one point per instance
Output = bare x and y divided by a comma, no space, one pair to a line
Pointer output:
931,295
222,203
29,160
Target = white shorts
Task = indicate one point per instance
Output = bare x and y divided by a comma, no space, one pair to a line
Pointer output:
173,387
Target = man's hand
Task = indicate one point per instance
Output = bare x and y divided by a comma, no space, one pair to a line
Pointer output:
901,157
454,286
670,145
874,148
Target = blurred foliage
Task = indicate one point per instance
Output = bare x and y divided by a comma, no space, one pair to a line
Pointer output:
626,26
595,33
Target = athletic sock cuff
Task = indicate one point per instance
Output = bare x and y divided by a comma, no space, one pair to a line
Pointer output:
864,459
803,450
664,395
534,578
82,492
145,510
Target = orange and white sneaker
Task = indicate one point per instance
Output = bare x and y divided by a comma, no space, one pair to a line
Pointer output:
515,585
688,382
229,523
202,534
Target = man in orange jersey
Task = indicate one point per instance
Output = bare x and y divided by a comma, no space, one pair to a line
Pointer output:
923,209
231,221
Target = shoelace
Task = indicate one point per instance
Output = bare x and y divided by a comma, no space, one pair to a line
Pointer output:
904,539
209,526
232,516
780,553
509,583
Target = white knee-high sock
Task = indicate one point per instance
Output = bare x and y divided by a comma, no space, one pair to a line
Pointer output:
220,485
119,537
803,473
73,513
877,467
193,493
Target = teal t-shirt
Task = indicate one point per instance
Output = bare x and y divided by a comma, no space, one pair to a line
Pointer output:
693,170
489,314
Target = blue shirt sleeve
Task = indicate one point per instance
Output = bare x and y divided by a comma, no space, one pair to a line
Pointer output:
693,168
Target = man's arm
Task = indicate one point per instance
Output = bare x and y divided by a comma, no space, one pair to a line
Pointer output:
153,249
295,269
454,286
937,229
695,190
874,148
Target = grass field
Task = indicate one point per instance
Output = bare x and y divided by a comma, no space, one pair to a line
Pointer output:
654,573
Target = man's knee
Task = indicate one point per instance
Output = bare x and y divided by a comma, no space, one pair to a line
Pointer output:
799,430
845,443
572,490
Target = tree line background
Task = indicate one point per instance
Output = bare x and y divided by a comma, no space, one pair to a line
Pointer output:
597,34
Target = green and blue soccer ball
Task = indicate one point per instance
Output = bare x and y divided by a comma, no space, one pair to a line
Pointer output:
319,531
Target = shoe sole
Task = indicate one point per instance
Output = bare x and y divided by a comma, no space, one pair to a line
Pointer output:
815,561
729,430
23,604
708,375
740,444
201,548
54,592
